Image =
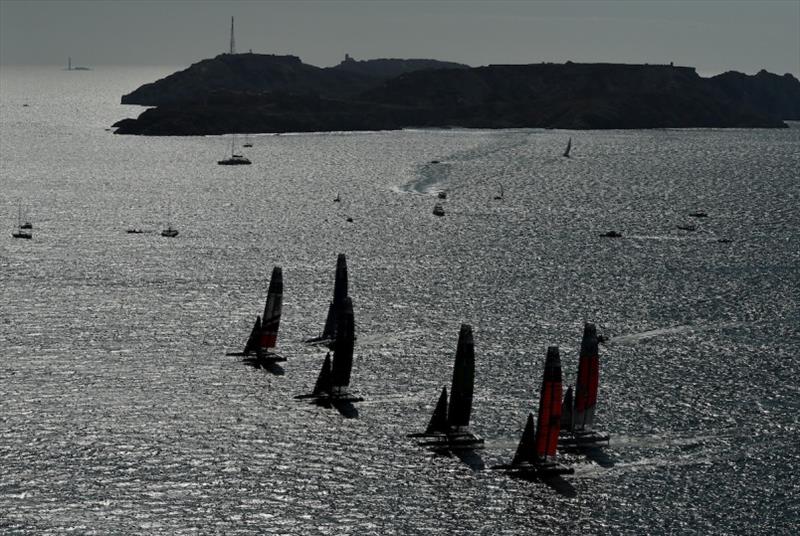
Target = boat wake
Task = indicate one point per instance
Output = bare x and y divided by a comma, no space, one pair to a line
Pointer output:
634,338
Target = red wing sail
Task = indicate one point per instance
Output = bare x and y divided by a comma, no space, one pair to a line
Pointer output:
549,422
272,310
588,379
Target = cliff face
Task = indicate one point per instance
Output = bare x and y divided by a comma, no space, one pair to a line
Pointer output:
258,93
764,92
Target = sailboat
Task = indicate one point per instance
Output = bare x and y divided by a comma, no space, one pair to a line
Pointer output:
569,147
23,229
169,232
333,382
438,209
449,424
264,335
247,142
578,407
329,331
500,195
536,452
235,159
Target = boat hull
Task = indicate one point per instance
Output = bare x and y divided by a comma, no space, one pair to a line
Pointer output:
583,440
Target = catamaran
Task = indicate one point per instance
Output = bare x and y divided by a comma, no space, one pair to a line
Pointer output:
578,408
536,452
235,159
23,229
569,147
264,335
333,382
336,306
449,424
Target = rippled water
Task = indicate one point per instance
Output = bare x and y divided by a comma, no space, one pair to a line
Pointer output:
121,414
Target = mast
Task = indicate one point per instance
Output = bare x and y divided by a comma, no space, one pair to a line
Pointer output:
438,423
272,309
588,379
549,420
463,380
343,349
233,40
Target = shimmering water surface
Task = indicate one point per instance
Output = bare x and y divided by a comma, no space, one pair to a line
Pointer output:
121,414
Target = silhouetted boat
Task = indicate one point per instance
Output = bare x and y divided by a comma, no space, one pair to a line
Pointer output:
500,195
235,159
568,149
247,142
612,234
333,382
442,195
264,335
23,230
698,214
337,199
577,413
536,452
449,424
336,306
169,232
133,231
687,227
438,209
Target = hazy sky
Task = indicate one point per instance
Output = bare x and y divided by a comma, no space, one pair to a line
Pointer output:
713,36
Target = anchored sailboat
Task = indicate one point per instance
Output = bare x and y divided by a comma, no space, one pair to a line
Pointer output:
264,335
235,159
23,229
499,196
578,408
569,147
336,306
449,425
536,453
333,382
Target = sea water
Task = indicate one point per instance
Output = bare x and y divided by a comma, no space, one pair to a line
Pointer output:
120,413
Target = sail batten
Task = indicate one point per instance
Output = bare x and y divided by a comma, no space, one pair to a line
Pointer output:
461,391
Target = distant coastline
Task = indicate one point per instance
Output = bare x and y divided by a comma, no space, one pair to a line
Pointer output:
252,93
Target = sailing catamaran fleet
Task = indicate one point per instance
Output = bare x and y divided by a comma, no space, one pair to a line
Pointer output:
563,420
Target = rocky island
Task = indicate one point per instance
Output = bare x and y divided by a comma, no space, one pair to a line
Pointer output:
251,93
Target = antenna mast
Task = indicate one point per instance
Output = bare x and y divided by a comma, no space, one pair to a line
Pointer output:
233,39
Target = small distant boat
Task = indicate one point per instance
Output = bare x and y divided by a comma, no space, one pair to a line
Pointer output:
698,214
337,199
449,424
577,413
438,210
536,452
569,148
500,195
264,335
349,219
235,159
442,195
169,232
71,67
133,230
332,385
687,227
23,229
612,234
336,306
434,161
247,142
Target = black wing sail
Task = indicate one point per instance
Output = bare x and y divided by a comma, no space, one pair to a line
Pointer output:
336,307
324,381
567,420
343,350
526,450
272,310
463,380
253,342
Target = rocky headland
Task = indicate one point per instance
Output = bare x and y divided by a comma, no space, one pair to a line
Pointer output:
266,93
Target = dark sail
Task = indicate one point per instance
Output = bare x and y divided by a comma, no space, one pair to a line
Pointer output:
549,422
343,349
324,381
526,452
588,379
566,411
463,380
272,310
339,296
438,422
252,344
